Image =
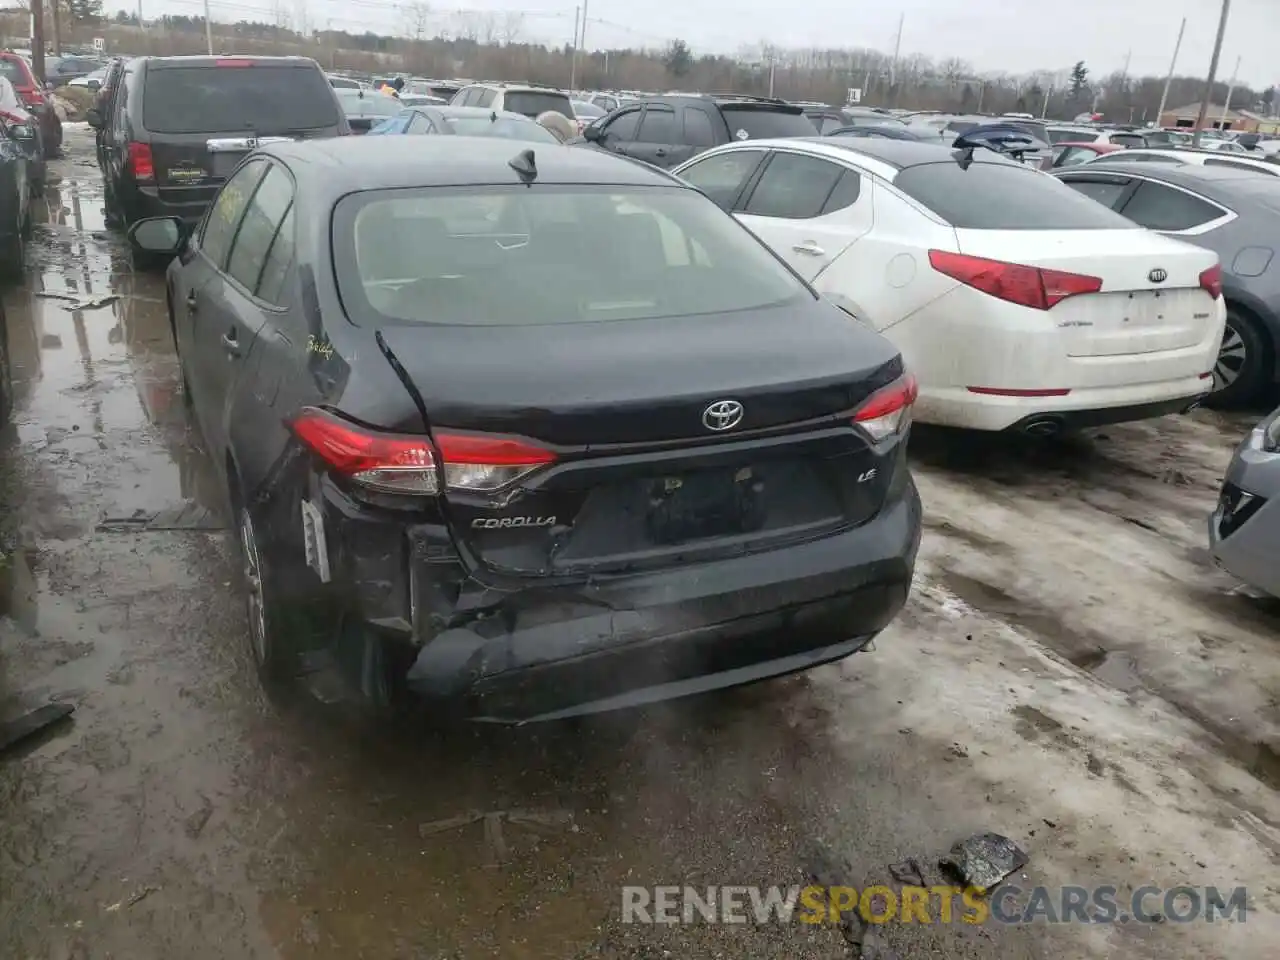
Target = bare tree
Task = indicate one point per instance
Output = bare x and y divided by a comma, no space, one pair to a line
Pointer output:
511,27
417,20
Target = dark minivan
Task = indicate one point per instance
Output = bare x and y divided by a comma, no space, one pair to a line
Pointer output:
174,128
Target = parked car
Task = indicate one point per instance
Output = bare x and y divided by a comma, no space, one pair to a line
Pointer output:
90,81
440,89
24,131
1078,134
344,83
1167,138
17,70
609,102
1202,158
514,98
569,439
827,119
1235,214
421,100
1017,306
464,121
59,71
948,128
887,131
174,128
15,206
1244,529
666,131
1068,154
585,113
364,109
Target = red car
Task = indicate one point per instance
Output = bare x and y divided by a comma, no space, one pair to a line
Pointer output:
1069,154
18,72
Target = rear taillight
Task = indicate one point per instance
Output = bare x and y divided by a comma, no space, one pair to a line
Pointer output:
1211,281
141,164
1035,287
399,463
32,97
888,410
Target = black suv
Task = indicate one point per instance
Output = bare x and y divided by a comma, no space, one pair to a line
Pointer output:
172,129
666,131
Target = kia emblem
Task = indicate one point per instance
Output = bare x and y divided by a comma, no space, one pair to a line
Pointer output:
1158,276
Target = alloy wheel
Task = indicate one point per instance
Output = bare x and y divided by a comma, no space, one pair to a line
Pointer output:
1232,357
253,582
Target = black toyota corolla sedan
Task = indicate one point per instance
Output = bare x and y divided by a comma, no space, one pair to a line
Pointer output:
532,431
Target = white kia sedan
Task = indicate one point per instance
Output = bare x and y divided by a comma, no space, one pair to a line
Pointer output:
1018,303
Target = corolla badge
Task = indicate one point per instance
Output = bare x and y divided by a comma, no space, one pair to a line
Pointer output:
722,415
1158,276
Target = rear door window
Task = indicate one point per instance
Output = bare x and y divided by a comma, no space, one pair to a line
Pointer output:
226,210
722,177
1003,196
658,125
699,131
758,124
623,127
533,102
259,98
484,98
1106,192
793,187
1159,207
262,218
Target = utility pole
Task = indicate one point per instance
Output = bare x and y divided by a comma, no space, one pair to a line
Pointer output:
208,28
573,57
57,27
583,35
1213,72
1044,110
893,65
1164,96
140,23
1231,89
37,39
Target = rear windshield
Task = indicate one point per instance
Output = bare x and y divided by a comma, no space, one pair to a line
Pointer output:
502,127
1059,135
369,105
264,99
760,124
1128,139
533,102
506,256
13,71
1003,196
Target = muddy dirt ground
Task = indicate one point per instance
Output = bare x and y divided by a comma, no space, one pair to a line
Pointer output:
1070,672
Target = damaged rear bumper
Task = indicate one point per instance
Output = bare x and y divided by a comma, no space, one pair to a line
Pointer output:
550,652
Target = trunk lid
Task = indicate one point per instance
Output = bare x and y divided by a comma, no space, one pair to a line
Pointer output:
1151,299
640,481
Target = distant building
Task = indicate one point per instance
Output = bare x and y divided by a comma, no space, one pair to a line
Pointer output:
1242,120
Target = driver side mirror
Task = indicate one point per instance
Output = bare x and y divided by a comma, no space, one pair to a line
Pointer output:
162,235
594,134
94,118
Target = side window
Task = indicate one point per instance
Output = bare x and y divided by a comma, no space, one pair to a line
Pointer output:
1158,207
624,125
722,177
485,98
258,229
1070,156
698,129
279,262
225,211
793,187
658,126
848,187
469,97
1106,192
827,124
607,104
420,124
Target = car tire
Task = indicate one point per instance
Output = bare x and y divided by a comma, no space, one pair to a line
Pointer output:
1241,368
270,643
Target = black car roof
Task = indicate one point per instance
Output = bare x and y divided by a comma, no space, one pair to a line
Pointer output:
904,153
348,164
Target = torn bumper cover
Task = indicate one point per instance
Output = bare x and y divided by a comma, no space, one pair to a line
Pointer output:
550,653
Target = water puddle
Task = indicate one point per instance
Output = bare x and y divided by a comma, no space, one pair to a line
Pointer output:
1114,668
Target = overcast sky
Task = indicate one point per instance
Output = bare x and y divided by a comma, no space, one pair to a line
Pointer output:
1012,35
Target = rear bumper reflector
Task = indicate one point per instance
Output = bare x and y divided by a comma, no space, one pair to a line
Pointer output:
1003,392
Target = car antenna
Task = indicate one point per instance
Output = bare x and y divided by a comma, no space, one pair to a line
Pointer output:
525,165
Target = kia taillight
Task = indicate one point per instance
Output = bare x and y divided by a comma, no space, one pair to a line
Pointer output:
141,164
1035,287
1211,281
406,464
888,411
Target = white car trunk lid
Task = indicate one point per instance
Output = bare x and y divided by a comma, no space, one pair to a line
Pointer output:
1151,298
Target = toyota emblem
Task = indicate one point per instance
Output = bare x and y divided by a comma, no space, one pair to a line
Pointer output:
722,415
1158,276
